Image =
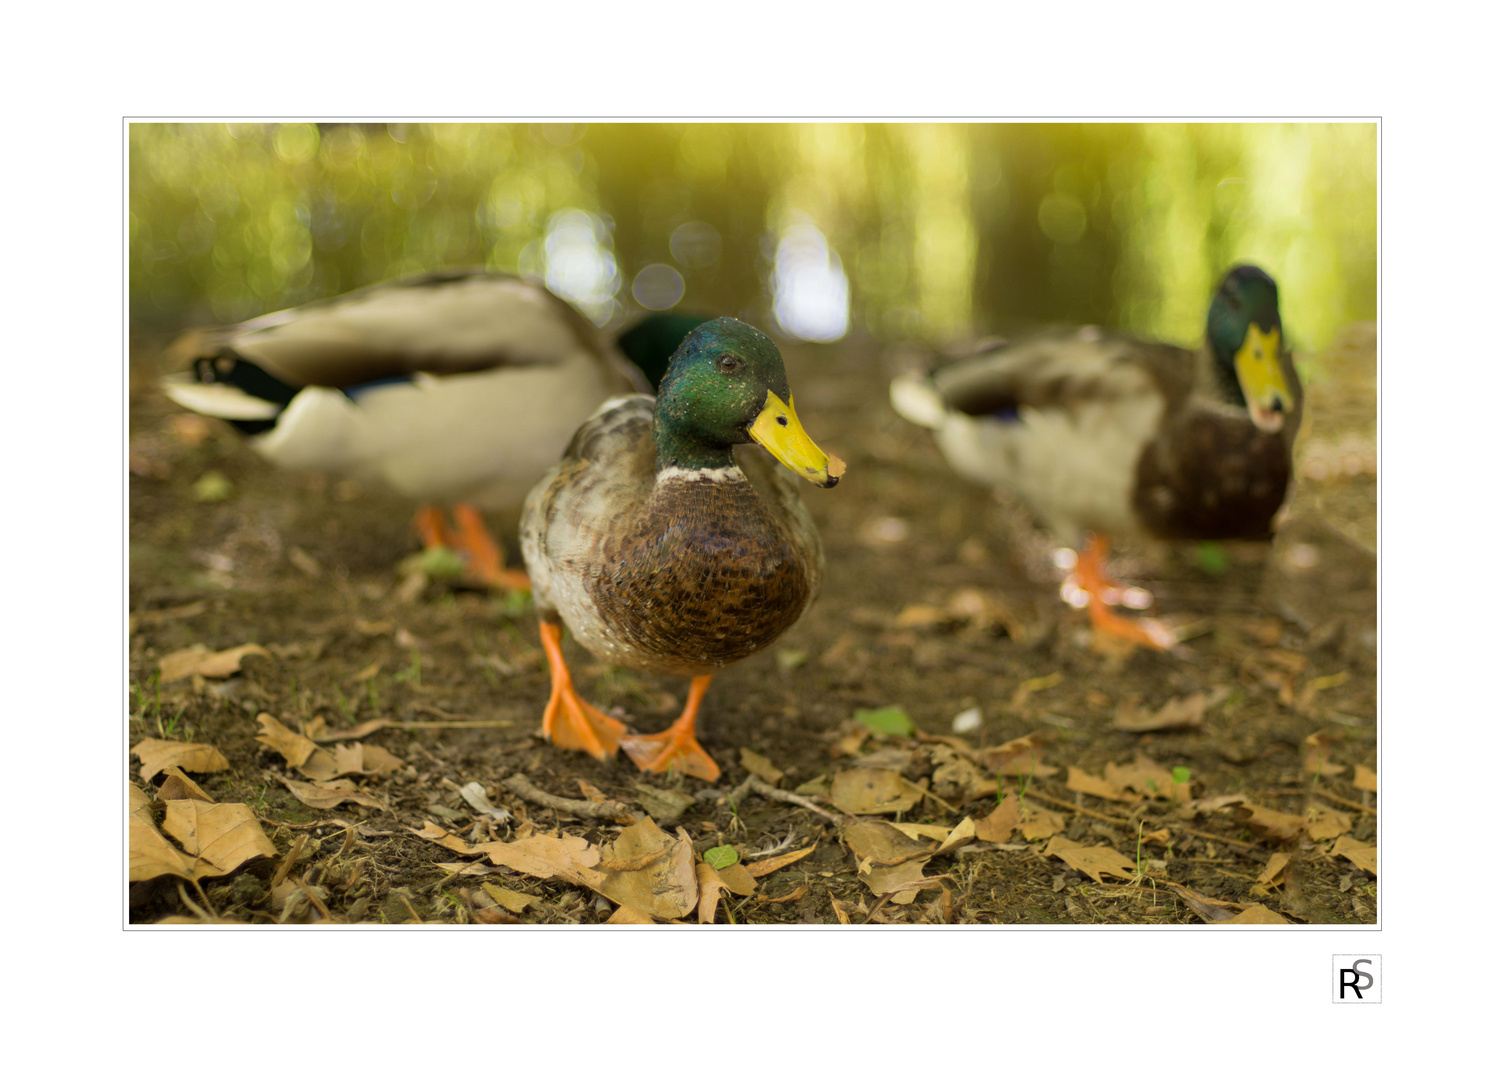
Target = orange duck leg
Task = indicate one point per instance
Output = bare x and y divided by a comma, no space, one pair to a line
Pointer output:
471,540
1103,592
676,747
569,722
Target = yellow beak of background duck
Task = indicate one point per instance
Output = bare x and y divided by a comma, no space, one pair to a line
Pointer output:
1257,365
777,429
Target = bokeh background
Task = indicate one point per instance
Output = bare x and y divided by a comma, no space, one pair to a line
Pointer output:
818,232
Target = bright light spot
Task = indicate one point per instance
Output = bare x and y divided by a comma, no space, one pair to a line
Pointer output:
1136,598
658,287
967,720
1302,556
888,530
578,263
1064,558
810,290
1073,594
695,244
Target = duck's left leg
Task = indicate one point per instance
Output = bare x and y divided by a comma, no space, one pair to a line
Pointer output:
675,747
1092,577
482,553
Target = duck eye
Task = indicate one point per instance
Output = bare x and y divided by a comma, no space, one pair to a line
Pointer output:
728,363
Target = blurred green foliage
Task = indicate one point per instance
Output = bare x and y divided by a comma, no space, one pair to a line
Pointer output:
943,230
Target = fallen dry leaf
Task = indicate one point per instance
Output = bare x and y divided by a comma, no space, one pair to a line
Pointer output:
627,915
1271,824
1206,907
760,766
149,854
327,794
904,881
1147,779
1185,712
1094,861
1088,784
737,879
1255,913
1001,822
883,843
157,754
1365,779
225,835
1037,823
873,791
1325,823
917,831
357,732
651,870
788,898
711,888
662,804
964,831
201,660
514,902
590,790
294,748
1018,757
957,778
1275,869
1361,854
1317,758
179,786
765,867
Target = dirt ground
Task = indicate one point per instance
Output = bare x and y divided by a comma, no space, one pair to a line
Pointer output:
940,597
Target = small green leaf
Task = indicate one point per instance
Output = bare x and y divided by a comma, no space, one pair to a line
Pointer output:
722,857
1211,558
890,721
441,563
1181,773
213,486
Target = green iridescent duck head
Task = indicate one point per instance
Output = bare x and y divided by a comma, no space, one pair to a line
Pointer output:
726,385
1244,332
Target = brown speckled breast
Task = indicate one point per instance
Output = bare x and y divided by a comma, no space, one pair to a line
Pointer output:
703,577
1211,476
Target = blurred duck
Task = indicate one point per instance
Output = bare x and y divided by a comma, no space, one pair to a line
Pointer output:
664,551
1101,433
456,387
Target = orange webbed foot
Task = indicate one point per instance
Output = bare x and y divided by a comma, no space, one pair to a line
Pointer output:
676,747
1092,578
570,722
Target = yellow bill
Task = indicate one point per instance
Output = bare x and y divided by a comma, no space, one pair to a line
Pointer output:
777,429
1257,365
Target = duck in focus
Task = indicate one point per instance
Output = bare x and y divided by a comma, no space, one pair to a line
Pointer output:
667,545
1103,434
457,387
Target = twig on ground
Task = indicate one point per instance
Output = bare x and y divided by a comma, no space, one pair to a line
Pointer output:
769,791
520,786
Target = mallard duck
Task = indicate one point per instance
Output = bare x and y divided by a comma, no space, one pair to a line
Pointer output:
663,551
458,387
1104,434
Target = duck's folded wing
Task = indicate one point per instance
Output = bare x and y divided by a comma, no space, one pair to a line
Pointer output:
446,323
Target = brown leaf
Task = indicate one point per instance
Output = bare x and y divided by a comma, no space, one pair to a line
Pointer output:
627,915
737,879
1185,712
765,867
998,825
1037,823
590,790
1317,758
957,778
1362,855
883,843
179,786
873,791
327,794
1144,777
1256,913
1088,784
149,855
375,760
225,835
662,804
659,874
788,898
1271,824
1365,779
851,741
904,880
963,832
294,748
1094,861
1275,869
711,888
157,754
514,902
1325,823
357,732
542,856
760,766
1206,907
1018,757
917,831
200,660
